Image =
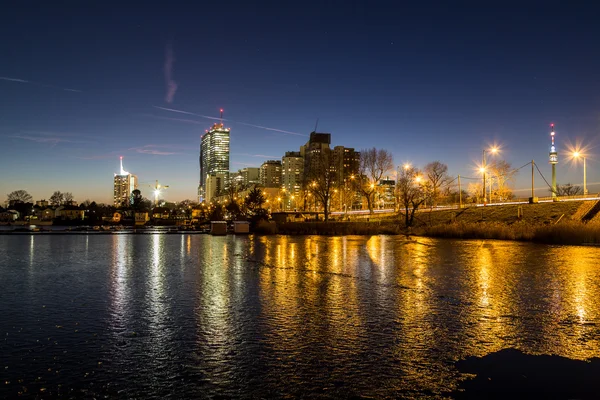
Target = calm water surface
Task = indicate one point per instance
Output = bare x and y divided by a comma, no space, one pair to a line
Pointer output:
188,316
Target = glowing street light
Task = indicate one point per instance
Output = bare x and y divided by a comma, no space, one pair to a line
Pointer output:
577,154
493,150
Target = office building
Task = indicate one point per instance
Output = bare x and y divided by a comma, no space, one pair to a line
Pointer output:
214,158
124,184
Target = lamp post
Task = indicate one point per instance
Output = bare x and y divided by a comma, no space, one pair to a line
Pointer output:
577,155
483,166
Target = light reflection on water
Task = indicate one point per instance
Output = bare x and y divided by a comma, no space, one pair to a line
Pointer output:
271,316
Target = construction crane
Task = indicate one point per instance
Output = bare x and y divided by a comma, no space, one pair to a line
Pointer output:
157,189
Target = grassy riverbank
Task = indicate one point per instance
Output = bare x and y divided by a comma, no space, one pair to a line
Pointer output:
558,223
569,232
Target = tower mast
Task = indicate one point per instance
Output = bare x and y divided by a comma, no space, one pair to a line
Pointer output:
553,159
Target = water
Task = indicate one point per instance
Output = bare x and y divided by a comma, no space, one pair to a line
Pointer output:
188,316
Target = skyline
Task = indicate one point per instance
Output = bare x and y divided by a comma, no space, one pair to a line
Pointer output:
146,89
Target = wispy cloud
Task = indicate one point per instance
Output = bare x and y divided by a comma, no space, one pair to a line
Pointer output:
99,156
231,121
186,120
6,78
171,84
256,155
157,150
48,138
243,163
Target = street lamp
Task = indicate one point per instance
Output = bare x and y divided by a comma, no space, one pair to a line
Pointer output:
577,155
482,169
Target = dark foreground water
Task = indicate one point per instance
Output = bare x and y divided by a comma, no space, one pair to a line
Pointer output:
195,316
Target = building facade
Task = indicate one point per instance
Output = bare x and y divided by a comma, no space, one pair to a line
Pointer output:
214,185
346,163
315,152
124,183
270,174
214,157
292,175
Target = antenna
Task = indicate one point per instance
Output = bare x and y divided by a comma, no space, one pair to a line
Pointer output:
316,124
221,117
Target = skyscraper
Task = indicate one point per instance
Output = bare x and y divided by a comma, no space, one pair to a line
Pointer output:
214,157
124,184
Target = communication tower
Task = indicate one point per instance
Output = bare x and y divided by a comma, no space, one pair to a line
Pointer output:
553,160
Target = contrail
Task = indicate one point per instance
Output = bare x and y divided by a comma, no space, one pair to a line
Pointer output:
229,120
171,84
188,113
5,78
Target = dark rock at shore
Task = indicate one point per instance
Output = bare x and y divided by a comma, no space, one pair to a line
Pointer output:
511,374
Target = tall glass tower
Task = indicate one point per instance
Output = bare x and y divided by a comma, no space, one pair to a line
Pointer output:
124,184
214,156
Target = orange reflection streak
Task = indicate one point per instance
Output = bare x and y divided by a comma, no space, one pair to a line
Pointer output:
579,310
304,285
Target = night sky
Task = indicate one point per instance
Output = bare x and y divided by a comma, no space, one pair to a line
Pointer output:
81,86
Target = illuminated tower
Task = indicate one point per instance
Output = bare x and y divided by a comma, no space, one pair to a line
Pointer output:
214,160
553,161
124,184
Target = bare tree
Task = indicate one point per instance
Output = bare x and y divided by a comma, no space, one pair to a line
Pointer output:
502,174
68,197
57,198
320,181
437,174
411,192
19,195
474,191
374,163
567,190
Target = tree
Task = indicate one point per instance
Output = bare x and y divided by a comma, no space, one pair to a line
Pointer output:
234,210
374,163
567,190
502,174
411,192
254,202
437,174
320,181
57,198
68,197
474,191
19,195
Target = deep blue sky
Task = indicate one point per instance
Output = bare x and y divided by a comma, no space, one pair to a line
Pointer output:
427,82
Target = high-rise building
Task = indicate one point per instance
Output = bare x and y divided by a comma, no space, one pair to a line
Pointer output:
270,174
124,184
292,170
214,157
315,152
346,163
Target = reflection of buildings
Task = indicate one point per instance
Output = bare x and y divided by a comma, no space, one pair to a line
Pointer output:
214,160
124,184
